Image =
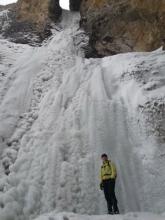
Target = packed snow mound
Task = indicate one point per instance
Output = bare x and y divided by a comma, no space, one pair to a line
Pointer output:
60,111
129,216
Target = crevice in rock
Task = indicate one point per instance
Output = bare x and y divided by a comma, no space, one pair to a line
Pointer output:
75,5
55,10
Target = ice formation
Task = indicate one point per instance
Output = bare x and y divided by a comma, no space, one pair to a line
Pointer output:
60,111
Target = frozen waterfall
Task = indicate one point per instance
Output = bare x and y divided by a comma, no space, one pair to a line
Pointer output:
60,111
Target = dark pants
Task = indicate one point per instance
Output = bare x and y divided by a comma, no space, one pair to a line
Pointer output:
109,192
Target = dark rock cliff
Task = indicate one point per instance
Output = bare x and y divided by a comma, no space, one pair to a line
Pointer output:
113,26
41,11
116,26
29,21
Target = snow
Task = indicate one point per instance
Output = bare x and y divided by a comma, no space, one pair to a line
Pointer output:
71,216
59,112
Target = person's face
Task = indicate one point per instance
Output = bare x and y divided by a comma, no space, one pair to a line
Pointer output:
104,158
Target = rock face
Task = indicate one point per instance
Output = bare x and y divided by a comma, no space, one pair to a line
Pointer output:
20,31
38,11
30,21
35,16
75,5
41,11
116,26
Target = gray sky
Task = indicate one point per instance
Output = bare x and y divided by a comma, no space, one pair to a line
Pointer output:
64,3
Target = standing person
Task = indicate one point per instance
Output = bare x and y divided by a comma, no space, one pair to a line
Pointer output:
108,176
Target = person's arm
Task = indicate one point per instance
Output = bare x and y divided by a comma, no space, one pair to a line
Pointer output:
114,172
101,178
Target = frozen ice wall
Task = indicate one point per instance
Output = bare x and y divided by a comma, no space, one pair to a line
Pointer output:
60,111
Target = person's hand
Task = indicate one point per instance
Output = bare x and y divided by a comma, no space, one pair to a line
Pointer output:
101,186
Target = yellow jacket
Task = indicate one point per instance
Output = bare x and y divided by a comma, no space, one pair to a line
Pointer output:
108,171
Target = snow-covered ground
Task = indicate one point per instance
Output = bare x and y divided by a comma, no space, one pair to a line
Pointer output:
128,216
60,111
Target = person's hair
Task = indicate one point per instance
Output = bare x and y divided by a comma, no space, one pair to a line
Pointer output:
104,155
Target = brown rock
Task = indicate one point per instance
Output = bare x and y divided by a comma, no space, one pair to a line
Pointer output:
30,20
116,26
38,12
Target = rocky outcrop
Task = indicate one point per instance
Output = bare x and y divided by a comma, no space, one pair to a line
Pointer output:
38,12
28,22
116,26
18,31
113,26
